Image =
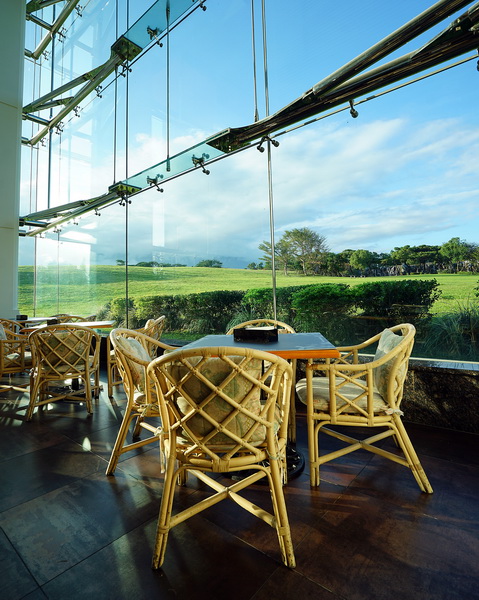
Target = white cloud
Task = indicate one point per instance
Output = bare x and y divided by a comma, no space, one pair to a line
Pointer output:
373,185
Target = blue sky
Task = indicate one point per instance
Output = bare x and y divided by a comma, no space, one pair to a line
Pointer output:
403,172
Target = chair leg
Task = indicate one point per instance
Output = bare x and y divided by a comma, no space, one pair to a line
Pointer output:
137,427
282,523
119,442
292,407
97,386
88,393
110,378
34,391
411,456
164,518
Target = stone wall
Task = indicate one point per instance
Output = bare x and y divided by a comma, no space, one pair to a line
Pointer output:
442,394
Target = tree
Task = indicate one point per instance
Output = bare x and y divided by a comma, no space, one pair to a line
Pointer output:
150,263
362,259
210,263
457,250
384,258
402,255
425,254
265,248
252,266
307,248
120,262
334,264
283,254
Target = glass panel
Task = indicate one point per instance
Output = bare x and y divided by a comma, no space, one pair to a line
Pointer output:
393,176
154,22
158,174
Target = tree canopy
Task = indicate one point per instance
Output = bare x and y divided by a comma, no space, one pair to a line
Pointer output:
305,250
300,249
210,263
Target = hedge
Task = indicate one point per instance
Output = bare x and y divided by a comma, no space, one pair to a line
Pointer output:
330,308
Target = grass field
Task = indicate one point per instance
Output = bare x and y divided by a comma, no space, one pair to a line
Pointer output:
77,290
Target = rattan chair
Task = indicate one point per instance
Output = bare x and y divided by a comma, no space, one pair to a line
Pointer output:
222,412
61,353
11,325
153,328
15,357
362,394
132,349
66,318
282,328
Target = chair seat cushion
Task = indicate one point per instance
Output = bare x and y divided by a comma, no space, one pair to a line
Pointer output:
65,349
348,390
66,369
133,347
387,342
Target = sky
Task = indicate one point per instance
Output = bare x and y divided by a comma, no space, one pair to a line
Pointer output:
403,172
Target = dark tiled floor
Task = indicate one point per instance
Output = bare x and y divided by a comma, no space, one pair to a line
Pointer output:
68,531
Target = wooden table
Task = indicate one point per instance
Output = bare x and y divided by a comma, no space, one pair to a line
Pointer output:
90,324
33,320
289,345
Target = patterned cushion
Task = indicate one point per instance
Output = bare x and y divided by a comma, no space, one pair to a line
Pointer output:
3,335
137,369
61,350
387,342
216,370
348,390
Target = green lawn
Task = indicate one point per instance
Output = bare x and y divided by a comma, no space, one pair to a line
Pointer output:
77,290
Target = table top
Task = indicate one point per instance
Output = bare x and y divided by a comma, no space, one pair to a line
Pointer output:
289,345
90,324
33,320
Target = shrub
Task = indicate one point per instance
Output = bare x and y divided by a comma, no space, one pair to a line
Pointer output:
398,299
121,311
173,307
258,304
322,307
454,335
323,298
210,312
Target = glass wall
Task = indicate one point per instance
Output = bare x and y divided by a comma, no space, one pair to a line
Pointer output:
391,177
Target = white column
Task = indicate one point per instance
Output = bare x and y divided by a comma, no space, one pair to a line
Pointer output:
12,44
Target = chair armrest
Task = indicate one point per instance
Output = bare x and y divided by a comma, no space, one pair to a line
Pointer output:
11,345
340,368
152,342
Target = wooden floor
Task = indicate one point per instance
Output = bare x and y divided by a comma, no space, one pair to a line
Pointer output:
67,531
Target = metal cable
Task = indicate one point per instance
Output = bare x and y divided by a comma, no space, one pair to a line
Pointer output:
127,108
270,169
255,86
168,166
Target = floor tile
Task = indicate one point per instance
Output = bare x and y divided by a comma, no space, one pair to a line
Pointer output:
15,580
201,562
45,470
370,548
56,531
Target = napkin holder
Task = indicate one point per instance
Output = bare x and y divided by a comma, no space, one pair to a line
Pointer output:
257,335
